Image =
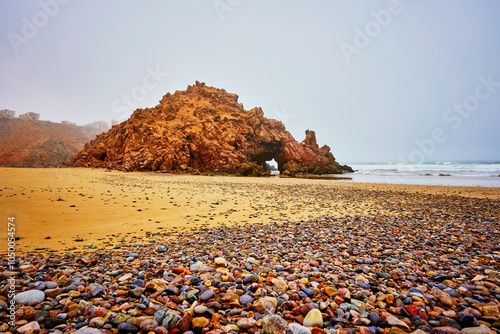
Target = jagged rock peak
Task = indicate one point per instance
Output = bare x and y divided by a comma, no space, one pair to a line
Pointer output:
204,129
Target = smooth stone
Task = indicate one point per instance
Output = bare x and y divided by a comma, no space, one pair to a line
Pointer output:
127,328
443,297
191,293
82,324
250,279
305,308
393,321
450,314
265,303
446,330
160,330
30,296
200,309
51,285
200,322
446,322
97,322
195,280
415,290
299,329
214,305
119,319
476,330
87,330
125,277
207,295
29,327
220,261
331,292
148,325
274,324
199,267
97,292
39,285
246,323
245,299
138,282
396,330
466,319
309,292
314,318
136,292
171,290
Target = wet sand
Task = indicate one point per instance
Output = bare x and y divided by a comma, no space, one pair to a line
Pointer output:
55,207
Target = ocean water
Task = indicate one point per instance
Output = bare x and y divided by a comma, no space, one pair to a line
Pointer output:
469,173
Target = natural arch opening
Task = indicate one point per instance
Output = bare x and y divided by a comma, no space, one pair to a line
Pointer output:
272,167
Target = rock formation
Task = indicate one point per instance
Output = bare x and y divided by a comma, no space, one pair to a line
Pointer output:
204,129
32,143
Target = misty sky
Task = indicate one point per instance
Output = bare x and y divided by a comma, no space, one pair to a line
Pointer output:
377,80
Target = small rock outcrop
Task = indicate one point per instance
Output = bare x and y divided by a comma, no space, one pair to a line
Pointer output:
204,129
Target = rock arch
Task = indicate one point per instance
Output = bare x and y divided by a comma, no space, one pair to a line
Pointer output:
204,129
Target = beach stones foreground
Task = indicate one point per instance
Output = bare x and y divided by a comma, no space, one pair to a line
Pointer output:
379,274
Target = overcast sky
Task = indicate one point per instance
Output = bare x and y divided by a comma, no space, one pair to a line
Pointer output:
377,80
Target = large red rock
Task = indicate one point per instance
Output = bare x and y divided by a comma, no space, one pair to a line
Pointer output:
204,129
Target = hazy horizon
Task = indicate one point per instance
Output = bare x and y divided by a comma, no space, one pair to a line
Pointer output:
378,81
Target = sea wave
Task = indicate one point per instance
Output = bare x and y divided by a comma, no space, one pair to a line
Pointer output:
479,168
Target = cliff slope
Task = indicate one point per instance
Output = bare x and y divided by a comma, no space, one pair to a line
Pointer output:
204,129
29,143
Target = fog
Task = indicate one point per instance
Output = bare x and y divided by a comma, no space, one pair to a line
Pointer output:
377,80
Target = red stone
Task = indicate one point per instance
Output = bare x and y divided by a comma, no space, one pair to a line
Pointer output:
343,291
172,305
445,330
338,300
228,144
316,330
251,330
423,315
314,263
395,310
161,330
184,324
412,309
72,314
99,312
150,310
365,330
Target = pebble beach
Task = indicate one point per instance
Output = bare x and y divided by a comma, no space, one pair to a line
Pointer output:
111,252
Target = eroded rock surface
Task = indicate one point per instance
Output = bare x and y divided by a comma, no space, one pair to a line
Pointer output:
204,129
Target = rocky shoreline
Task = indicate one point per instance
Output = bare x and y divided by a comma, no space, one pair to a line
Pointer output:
377,274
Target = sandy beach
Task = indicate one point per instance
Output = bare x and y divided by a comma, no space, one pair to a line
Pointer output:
55,207
111,252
